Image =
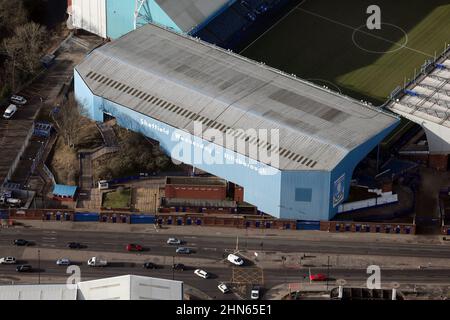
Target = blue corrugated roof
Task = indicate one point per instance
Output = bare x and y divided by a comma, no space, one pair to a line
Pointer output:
62,190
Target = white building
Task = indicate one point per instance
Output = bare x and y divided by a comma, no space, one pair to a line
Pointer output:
128,287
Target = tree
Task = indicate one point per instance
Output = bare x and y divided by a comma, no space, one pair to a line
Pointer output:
68,119
24,49
12,15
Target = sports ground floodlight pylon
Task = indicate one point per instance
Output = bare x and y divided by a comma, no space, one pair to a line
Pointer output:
142,13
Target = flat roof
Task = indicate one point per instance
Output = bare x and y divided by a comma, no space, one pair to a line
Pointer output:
178,79
64,191
188,14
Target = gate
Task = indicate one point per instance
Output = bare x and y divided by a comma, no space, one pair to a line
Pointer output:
142,219
86,217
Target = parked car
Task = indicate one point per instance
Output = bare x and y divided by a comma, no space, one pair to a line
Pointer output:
223,288
173,241
21,242
7,260
179,266
318,277
24,268
9,112
63,262
234,259
254,294
183,250
74,245
202,273
134,247
149,265
18,100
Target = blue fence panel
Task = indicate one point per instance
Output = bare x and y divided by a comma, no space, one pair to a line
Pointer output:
142,219
86,217
308,225
4,215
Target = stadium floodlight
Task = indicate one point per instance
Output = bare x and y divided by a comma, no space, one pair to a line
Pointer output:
142,13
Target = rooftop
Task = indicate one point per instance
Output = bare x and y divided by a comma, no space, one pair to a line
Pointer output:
178,79
188,14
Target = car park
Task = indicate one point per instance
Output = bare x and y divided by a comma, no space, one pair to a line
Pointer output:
223,288
179,266
134,247
234,259
254,294
21,242
63,262
202,273
7,260
183,250
18,100
24,268
10,111
173,241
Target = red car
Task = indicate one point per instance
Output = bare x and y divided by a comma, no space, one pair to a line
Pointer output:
134,247
318,277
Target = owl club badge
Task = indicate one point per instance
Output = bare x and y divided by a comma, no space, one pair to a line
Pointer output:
338,190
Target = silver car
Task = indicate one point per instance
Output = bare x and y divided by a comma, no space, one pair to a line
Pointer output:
63,262
18,100
8,260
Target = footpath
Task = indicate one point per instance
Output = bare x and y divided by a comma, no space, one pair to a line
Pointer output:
305,235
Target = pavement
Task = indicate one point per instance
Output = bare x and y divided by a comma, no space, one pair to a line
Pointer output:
306,235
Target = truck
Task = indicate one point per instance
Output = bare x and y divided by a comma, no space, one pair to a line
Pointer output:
97,262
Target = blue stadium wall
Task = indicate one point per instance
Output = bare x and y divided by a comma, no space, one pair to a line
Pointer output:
300,195
120,17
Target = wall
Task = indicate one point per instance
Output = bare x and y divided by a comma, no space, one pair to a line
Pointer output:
196,192
238,194
120,15
343,172
315,182
438,161
364,227
90,15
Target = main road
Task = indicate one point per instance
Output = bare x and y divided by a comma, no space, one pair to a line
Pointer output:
214,246
210,248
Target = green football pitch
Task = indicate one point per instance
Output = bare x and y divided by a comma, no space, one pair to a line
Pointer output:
328,42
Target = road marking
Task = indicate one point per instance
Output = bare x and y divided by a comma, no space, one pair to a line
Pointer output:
47,239
211,249
48,245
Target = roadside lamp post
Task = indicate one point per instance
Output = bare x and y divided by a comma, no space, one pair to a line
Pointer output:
39,266
328,271
173,267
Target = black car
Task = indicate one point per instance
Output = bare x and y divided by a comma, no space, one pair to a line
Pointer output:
179,266
149,265
74,245
21,242
24,268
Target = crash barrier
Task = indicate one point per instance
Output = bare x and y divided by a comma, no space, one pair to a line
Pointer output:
367,227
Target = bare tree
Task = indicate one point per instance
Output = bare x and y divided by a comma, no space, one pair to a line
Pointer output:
12,15
68,118
25,48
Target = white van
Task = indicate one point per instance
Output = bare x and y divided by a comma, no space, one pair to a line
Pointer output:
9,112
234,259
103,185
